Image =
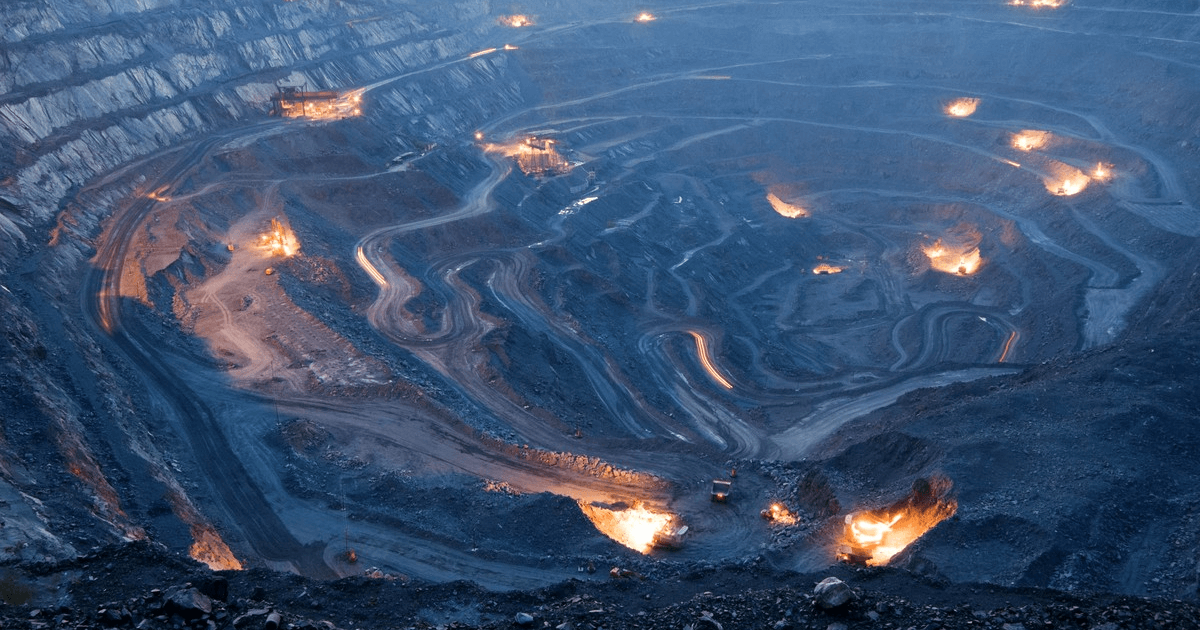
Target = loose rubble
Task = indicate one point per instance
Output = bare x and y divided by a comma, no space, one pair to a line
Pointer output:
146,587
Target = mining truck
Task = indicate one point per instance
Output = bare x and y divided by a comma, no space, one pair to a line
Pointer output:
721,489
670,540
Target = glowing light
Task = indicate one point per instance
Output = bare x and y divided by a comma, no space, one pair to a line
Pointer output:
210,549
1068,187
874,537
1102,173
370,269
1029,140
707,362
1065,181
479,135
1012,163
879,537
784,208
778,514
961,108
280,241
635,527
825,269
159,194
962,260
485,51
865,530
535,156
516,21
645,17
1008,346
328,105
1037,4
509,47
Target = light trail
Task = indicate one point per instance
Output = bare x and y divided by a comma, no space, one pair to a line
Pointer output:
706,360
369,268
1008,346
104,311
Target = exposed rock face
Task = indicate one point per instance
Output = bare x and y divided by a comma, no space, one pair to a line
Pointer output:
84,90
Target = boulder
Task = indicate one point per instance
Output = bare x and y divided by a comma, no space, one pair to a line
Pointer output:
833,593
188,603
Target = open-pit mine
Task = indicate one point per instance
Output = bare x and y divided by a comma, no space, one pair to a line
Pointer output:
519,293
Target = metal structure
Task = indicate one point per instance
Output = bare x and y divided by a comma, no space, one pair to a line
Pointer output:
292,101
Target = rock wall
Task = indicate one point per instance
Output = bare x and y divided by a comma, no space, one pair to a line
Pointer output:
86,89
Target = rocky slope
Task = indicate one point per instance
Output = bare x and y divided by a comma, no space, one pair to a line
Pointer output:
85,89
88,91
142,586
1079,473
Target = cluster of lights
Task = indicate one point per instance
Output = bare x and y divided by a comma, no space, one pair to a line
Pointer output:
1062,180
318,106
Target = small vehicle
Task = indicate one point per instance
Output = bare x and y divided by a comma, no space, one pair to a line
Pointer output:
721,489
855,556
670,540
